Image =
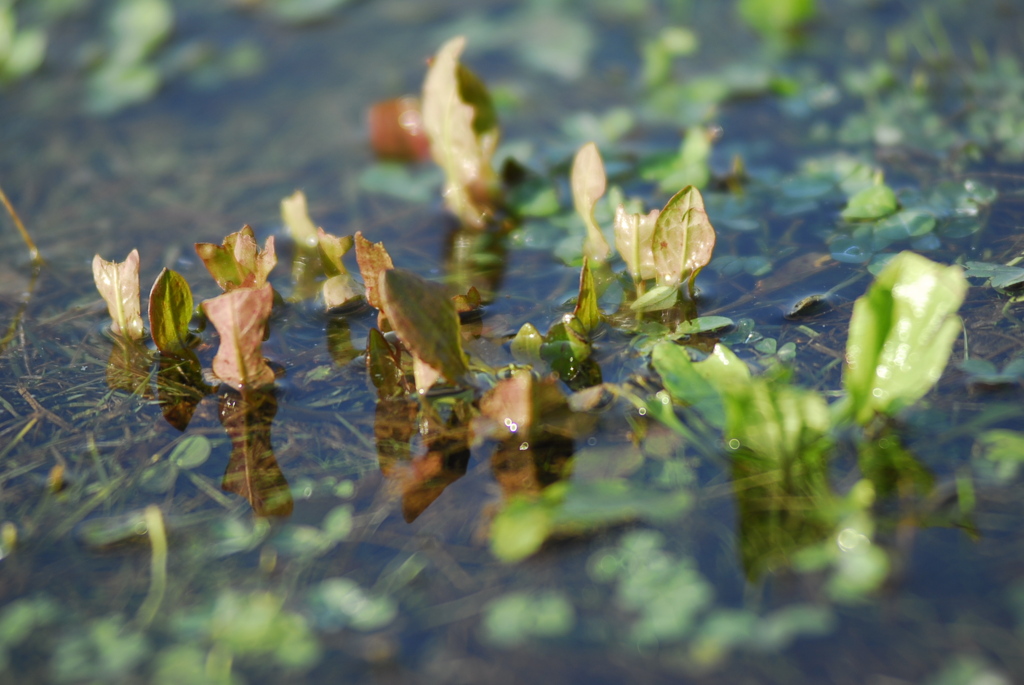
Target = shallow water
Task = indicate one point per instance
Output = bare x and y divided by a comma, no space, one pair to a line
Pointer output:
381,570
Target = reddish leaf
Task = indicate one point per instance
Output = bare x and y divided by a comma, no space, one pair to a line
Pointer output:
240,317
396,129
238,262
373,260
253,472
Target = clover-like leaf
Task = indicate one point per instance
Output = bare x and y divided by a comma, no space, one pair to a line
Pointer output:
170,310
373,260
240,317
634,239
901,334
588,185
118,283
460,123
425,320
239,262
683,238
295,215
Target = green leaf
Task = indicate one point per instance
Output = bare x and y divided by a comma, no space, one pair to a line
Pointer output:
425,320
27,51
586,311
240,317
239,262
515,618
118,283
383,366
776,16
588,185
656,299
526,345
463,133
170,311
191,452
901,335
298,12
685,384
683,238
871,203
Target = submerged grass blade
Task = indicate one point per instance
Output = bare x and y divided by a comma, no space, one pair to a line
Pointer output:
158,579
33,251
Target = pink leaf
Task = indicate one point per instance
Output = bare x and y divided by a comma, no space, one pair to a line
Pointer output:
240,317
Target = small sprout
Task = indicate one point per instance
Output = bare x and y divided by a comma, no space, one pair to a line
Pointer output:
383,366
118,283
339,288
634,239
373,260
425,320
239,262
462,127
586,311
240,317
470,302
588,185
526,345
170,311
295,215
683,238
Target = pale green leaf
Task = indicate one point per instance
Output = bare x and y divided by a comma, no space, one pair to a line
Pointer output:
525,346
588,185
634,236
461,142
295,215
118,283
901,334
683,238
192,451
871,203
656,299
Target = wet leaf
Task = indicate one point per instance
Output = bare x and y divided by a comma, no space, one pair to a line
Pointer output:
686,385
586,311
901,335
683,238
425,320
240,317
525,346
656,299
519,403
460,123
588,186
871,203
373,260
239,262
295,215
634,239
340,288
170,311
118,283
566,348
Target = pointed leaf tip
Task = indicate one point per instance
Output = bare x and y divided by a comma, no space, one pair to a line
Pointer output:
588,185
170,311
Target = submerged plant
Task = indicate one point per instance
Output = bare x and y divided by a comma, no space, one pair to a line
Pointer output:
118,283
462,127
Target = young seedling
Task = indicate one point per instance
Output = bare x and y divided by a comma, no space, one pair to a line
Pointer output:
240,317
340,288
239,262
462,127
118,283
683,239
588,185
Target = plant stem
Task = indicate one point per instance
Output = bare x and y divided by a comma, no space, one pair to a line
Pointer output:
33,251
158,580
